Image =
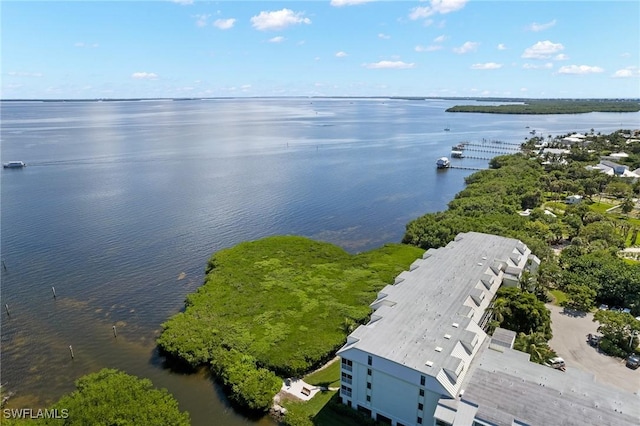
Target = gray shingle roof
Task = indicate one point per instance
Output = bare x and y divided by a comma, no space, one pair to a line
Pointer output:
439,296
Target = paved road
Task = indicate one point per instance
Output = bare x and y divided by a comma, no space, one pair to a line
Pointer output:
570,342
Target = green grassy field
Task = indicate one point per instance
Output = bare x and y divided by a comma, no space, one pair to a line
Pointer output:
558,297
328,376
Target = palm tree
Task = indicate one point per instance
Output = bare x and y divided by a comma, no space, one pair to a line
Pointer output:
535,345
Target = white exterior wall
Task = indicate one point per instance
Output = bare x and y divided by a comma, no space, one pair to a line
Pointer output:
395,389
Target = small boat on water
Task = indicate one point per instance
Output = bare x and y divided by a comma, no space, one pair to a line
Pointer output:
443,163
457,154
446,129
14,165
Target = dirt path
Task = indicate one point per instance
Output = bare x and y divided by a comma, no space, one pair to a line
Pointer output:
570,332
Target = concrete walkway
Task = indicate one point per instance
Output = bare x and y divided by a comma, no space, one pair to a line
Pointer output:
300,389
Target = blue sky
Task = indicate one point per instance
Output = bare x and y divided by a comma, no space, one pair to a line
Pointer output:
183,48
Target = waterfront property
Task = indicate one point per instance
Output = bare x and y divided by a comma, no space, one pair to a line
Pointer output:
424,356
427,327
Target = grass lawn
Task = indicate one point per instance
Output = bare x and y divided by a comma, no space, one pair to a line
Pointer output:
328,376
600,207
324,409
558,297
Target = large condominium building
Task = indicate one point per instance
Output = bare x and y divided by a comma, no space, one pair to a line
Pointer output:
411,364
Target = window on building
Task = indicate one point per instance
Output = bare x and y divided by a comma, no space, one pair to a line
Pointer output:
420,406
443,423
368,371
421,392
422,380
347,378
369,360
349,403
368,385
368,398
347,364
419,420
345,390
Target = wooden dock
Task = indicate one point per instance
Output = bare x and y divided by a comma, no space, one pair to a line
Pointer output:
467,168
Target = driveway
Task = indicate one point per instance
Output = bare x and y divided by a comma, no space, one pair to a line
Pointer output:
570,330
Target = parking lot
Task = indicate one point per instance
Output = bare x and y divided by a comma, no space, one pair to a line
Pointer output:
569,340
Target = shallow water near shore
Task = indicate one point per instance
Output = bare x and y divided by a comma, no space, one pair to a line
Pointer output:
122,203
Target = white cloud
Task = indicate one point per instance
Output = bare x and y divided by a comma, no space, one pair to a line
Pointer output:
224,24
87,45
561,57
278,39
384,36
579,69
431,48
183,2
437,6
627,73
25,74
486,66
144,75
501,46
278,19
341,54
542,50
399,65
201,20
541,27
440,39
524,89
469,46
548,65
340,3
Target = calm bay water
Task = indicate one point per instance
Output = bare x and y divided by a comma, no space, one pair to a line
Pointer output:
122,203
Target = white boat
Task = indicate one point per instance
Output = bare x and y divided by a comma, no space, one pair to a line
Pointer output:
443,163
14,165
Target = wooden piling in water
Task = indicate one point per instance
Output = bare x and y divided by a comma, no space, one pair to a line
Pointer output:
6,306
71,350
115,333
54,292
4,266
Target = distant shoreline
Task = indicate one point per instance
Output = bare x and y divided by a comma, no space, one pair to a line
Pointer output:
530,103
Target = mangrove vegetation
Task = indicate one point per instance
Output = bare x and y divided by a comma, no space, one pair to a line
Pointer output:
553,106
277,308
108,397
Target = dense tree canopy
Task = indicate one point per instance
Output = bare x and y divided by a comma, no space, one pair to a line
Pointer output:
111,397
552,106
522,312
620,332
